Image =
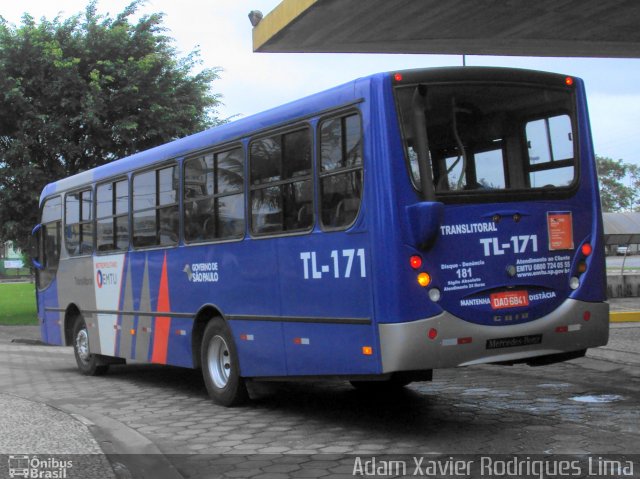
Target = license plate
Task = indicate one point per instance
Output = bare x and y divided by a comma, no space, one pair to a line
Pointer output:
509,299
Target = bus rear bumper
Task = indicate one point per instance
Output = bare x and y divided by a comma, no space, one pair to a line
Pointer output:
408,347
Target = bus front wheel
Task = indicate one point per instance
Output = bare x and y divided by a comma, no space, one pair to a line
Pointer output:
88,364
220,365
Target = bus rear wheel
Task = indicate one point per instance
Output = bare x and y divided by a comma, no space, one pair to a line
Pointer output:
88,364
220,365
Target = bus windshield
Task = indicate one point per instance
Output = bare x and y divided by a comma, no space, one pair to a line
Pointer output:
487,138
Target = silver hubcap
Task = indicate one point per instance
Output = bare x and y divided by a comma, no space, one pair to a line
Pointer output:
82,345
219,360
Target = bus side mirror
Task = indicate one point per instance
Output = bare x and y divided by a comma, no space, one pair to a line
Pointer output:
424,220
35,248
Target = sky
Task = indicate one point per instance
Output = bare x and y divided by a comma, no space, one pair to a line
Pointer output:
253,82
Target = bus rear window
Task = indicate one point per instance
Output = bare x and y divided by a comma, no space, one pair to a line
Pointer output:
485,138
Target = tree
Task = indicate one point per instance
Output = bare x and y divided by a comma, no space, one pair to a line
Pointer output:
614,193
81,92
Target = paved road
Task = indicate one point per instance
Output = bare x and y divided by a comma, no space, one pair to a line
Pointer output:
305,430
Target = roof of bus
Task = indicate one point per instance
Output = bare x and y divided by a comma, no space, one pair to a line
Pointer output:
299,109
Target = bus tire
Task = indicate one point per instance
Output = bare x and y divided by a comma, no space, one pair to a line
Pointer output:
220,365
88,364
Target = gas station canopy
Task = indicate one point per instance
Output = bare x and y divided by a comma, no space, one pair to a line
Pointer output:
621,228
559,28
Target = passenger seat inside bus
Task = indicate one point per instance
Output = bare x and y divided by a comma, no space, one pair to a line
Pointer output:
346,211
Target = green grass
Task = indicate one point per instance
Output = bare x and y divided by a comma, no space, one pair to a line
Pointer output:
18,304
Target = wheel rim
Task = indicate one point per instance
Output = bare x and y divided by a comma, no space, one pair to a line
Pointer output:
82,345
219,360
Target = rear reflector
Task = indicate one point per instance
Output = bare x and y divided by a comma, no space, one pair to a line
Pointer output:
456,341
569,328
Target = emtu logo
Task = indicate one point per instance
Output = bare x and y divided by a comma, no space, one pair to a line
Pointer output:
99,279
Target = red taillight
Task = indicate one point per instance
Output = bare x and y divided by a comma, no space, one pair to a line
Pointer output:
587,315
397,77
433,333
568,81
415,261
562,329
586,249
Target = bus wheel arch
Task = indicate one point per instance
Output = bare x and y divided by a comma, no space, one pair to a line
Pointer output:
89,364
70,317
203,316
220,365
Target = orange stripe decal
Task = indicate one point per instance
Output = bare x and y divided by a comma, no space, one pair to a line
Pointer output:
162,326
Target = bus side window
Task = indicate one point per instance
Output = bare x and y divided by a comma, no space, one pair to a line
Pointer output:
340,170
213,196
155,208
229,199
51,240
79,223
112,216
281,186
168,214
144,209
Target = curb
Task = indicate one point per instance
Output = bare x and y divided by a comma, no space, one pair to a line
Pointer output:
624,316
130,453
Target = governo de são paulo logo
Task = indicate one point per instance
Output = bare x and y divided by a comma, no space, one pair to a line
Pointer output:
202,272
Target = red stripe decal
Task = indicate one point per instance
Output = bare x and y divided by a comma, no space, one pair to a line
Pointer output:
162,326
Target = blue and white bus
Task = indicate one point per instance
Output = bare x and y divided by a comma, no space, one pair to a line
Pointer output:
373,232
